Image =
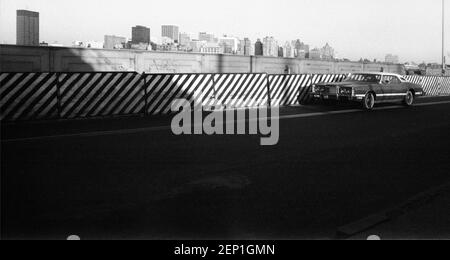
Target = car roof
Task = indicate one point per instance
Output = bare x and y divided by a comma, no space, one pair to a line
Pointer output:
379,73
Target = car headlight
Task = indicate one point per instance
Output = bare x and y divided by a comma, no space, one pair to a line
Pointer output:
346,91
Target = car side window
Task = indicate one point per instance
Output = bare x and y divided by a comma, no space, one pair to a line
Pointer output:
387,80
395,80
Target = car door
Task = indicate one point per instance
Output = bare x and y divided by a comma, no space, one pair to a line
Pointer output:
396,89
387,88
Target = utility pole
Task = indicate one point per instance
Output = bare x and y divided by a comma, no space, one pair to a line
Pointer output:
443,38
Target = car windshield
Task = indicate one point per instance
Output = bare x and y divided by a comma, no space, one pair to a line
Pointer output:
364,78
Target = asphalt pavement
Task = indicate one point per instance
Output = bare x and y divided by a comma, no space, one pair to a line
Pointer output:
131,178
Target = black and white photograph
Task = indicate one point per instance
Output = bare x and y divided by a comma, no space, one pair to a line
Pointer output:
225,128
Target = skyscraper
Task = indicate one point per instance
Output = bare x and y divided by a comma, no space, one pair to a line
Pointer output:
327,52
27,28
140,34
259,48
170,31
270,47
184,38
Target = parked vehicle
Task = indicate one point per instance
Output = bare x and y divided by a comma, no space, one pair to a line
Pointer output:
369,89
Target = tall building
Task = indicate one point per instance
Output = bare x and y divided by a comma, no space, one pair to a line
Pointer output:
259,48
327,52
392,59
301,50
140,35
184,39
170,31
288,50
270,47
114,42
315,54
207,37
280,52
245,47
27,28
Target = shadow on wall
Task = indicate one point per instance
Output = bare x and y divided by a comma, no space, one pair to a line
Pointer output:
58,59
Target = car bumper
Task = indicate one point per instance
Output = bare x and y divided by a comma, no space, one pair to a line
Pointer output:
335,97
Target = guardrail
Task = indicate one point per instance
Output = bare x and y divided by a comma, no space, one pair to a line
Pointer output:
36,96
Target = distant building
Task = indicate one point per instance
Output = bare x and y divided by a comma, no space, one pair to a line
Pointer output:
280,52
229,45
392,59
115,42
245,47
170,31
88,44
315,54
140,34
301,50
184,39
270,47
211,48
196,45
207,37
259,48
327,52
27,28
288,50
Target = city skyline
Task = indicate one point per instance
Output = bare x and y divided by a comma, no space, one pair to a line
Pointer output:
374,41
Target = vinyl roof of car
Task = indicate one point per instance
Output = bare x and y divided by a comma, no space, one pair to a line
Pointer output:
379,73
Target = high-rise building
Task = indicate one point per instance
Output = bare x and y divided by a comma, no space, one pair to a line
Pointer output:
184,39
247,47
114,42
327,52
259,48
392,59
207,37
301,50
244,47
288,50
170,31
270,47
140,34
27,28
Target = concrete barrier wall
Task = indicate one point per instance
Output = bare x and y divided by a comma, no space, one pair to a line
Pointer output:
51,59
33,95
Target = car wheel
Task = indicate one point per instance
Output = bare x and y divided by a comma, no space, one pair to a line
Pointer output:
409,99
369,101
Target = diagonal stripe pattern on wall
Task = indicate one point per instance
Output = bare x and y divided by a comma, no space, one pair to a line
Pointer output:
162,89
209,90
100,94
286,89
240,90
28,96
432,85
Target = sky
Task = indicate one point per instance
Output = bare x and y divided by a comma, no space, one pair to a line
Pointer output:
354,28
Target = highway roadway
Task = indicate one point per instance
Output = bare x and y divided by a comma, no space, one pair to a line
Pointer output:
131,178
